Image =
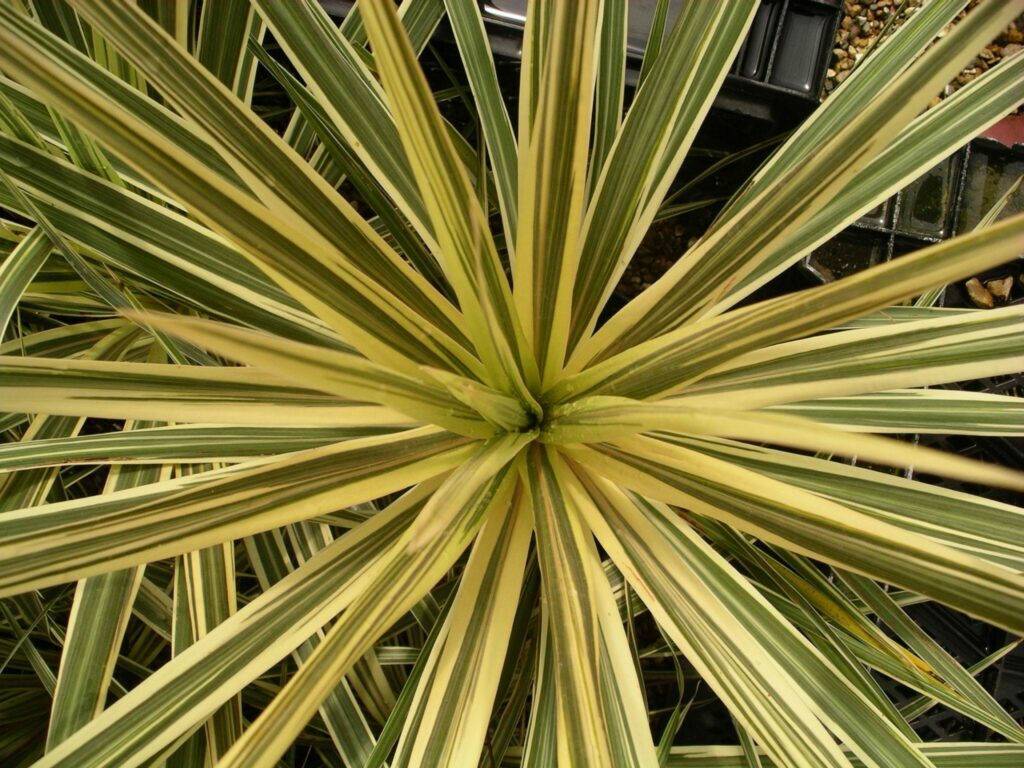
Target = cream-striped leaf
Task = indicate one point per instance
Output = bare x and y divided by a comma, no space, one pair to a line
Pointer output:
179,393
597,419
96,628
720,623
663,121
18,270
64,541
184,692
921,411
338,373
402,575
810,171
665,364
988,529
554,138
452,706
811,525
946,349
467,251
570,596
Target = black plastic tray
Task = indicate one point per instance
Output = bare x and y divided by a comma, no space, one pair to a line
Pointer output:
947,200
777,76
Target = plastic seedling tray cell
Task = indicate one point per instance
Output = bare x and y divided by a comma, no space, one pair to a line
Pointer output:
803,42
917,216
846,254
925,207
989,171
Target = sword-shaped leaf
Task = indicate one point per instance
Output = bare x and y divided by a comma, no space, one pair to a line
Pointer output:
988,529
179,393
808,524
920,411
555,136
64,541
478,491
598,419
179,696
669,362
467,251
746,650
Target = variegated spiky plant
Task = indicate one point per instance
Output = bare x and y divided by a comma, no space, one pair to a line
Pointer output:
436,514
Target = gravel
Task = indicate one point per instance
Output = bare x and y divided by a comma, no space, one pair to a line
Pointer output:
865,23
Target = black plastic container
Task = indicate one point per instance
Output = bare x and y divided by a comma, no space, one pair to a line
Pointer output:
776,79
948,199
777,76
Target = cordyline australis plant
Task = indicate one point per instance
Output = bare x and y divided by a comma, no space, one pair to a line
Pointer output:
438,515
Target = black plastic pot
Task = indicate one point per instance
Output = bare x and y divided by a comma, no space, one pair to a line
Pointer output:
777,76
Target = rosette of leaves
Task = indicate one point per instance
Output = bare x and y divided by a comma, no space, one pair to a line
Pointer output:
292,479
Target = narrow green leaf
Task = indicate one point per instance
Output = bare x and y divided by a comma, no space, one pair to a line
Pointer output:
920,411
452,707
224,30
210,587
678,358
773,680
609,89
95,630
655,39
949,348
541,748
941,755
651,145
467,252
179,444
872,110
337,373
474,48
177,393
180,695
590,420
973,524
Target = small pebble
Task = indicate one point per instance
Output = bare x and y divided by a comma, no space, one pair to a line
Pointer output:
862,23
979,294
1000,289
